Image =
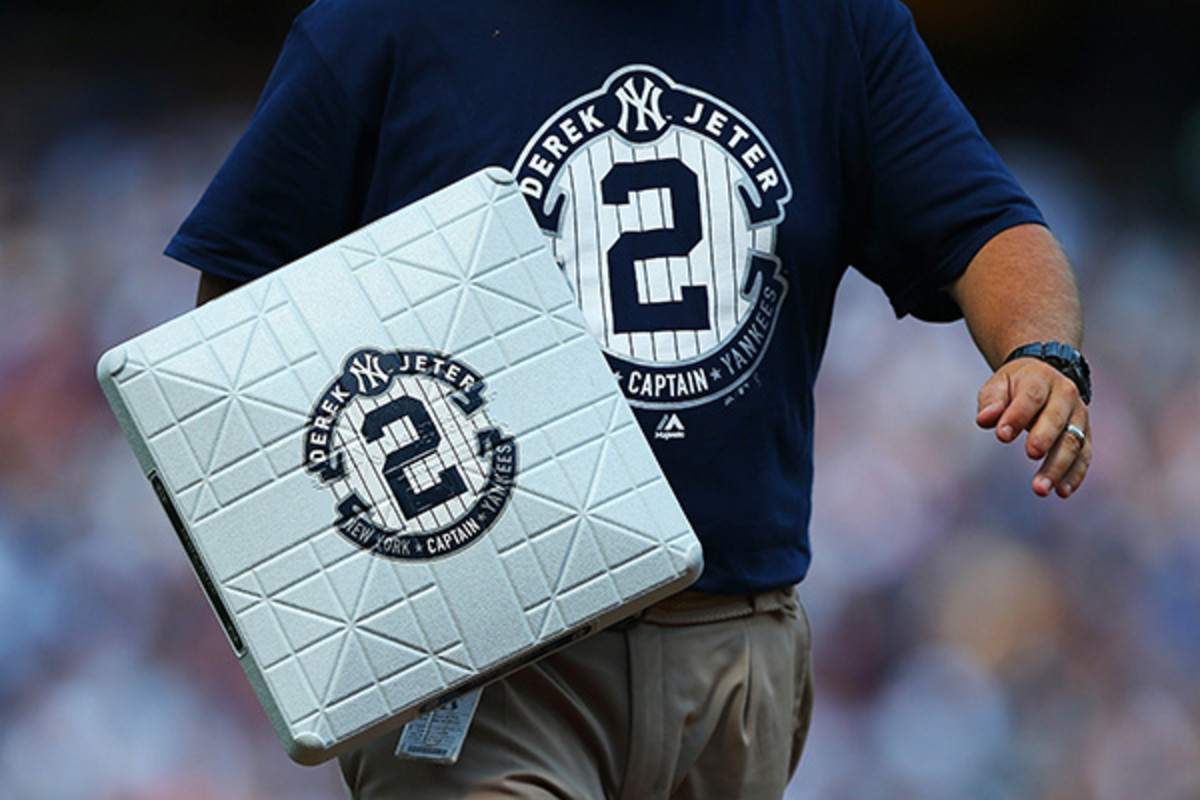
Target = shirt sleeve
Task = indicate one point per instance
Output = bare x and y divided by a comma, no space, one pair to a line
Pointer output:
294,181
936,191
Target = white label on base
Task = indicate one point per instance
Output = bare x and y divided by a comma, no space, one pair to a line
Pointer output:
438,736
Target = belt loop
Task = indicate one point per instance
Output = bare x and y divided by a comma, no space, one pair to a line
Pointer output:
775,600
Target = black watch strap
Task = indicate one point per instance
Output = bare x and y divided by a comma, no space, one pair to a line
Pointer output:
1063,357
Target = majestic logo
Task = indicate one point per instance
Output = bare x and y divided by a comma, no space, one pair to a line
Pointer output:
670,427
663,205
417,467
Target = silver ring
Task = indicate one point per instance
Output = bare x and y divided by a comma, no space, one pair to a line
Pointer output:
1078,433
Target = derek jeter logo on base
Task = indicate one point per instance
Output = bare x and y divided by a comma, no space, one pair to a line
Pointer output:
663,204
417,467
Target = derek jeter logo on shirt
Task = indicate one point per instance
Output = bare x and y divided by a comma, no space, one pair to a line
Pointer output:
663,204
403,440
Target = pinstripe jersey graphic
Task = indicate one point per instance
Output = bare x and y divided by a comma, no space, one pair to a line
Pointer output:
405,443
663,203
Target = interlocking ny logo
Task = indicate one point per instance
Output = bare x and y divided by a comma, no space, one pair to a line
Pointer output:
366,370
645,103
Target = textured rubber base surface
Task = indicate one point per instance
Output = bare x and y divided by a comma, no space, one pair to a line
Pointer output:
400,464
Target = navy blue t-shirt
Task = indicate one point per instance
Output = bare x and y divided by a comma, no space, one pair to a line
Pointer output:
705,170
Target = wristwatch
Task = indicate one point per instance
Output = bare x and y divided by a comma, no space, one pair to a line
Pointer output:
1064,358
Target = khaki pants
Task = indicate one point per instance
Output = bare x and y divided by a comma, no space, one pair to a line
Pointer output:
703,696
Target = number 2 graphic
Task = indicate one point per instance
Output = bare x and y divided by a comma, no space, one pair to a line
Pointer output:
450,483
690,312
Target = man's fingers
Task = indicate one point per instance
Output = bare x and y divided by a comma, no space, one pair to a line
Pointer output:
993,399
1077,471
1029,395
1051,421
1029,392
1067,462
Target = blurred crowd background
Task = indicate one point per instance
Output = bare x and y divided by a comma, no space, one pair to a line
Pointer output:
971,640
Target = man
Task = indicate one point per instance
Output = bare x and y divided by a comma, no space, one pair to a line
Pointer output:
706,171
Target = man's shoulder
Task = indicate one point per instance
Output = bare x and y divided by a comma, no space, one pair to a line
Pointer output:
336,24
352,35
868,14
378,13
338,13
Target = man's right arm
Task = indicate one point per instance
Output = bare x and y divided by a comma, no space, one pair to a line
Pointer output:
213,286
296,179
